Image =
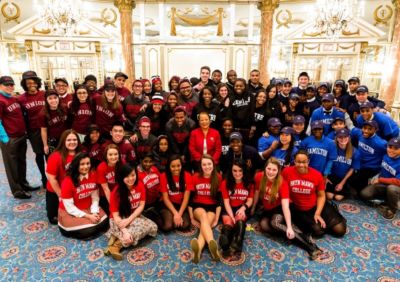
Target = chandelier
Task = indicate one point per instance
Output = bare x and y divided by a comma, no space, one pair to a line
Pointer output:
62,16
333,16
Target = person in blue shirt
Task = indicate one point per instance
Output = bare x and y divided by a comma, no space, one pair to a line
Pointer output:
326,113
299,123
372,148
321,150
387,185
286,149
346,163
387,127
267,144
337,124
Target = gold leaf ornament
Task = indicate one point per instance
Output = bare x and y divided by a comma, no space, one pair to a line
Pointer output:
11,12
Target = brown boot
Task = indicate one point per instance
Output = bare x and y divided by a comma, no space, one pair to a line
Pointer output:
111,241
115,250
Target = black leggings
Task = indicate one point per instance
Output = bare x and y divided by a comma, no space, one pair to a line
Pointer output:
52,203
168,220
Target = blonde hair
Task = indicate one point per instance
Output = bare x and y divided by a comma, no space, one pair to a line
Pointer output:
349,149
276,184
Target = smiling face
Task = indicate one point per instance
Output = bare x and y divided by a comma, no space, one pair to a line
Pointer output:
366,113
147,87
130,179
175,166
223,92
255,77
207,167
207,96
303,81
61,88
147,163
271,171
285,138
163,145
301,162
368,131
137,88
227,126
239,87
117,133
236,146
261,98
185,89
94,136
237,173
112,156
204,121
84,166
144,129
272,93
32,86
204,75
180,118
172,101
53,101
393,151
71,142
231,76
110,95
82,95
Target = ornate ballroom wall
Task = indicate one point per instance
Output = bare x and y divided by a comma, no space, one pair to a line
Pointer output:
177,37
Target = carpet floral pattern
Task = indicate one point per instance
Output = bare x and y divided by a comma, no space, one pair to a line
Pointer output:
33,250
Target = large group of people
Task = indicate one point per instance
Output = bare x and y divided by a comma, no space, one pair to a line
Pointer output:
131,164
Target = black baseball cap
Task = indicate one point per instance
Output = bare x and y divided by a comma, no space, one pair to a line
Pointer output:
354,78
120,74
63,79
362,88
7,80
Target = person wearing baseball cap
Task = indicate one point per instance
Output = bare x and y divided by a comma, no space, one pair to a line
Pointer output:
341,95
32,102
299,124
293,109
354,83
266,145
286,150
387,127
337,124
326,113
61,87
387,185
119,82
238,150
13,140
91,84
321,150
372,149
343,168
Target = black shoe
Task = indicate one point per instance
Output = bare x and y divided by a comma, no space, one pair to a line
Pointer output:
53,220
31,188
22,195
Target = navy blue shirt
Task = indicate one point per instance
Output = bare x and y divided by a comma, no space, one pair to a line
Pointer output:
327,119
388,128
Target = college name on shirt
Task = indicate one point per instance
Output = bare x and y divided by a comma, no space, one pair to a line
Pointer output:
57,119
151,180
390,169
176,192
317,151
239,194
301,186
203,189
87,189
33,104
343,160
241,103
327,121
84,113
110,177
258,117
109,113
13,107
133,199
366,147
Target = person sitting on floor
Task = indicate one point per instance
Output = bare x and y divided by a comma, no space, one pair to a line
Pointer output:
79,214
127,224
387,185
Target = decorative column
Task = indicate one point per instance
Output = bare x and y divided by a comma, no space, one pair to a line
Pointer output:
125,8
391,91
267,8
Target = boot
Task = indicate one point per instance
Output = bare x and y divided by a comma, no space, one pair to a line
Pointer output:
307,243
115,250
237,242
225,238
111,241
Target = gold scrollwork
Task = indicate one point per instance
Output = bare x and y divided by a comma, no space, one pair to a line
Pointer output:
308,47
108,17
197,21
81,46
343,47
11,17
283,18
41,31
349,33
47,45
383,14
312,34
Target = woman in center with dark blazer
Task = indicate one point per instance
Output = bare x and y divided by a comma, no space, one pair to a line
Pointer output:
205,207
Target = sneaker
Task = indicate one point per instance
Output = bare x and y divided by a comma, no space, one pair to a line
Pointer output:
194,245
213,248
22,195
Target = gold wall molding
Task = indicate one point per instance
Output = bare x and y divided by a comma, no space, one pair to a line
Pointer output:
349,33
7,13
41,31
75,44
125,5
108,17
383,14
196,21
311,47
48,45
281,20
267,5
347,47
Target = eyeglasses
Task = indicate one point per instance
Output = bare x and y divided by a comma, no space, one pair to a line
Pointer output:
9,85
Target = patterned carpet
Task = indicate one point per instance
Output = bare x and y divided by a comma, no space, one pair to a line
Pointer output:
33,250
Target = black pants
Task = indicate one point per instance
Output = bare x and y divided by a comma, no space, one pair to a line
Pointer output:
35,139
14,158
360,180
52,203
